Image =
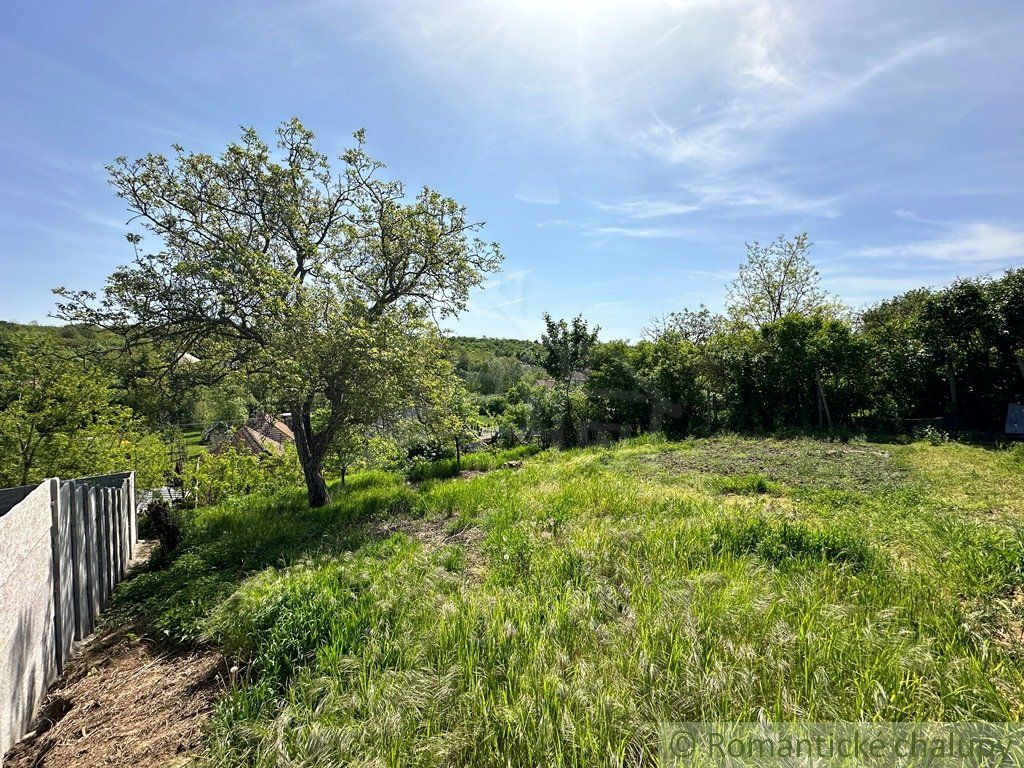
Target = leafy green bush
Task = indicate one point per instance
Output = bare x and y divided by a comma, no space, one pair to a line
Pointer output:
214,477
931,435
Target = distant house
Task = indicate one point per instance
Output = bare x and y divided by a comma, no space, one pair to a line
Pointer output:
577,379
262,433
164,493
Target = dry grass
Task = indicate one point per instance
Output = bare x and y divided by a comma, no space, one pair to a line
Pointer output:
124,703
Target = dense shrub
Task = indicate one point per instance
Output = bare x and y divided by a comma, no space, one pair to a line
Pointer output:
212,477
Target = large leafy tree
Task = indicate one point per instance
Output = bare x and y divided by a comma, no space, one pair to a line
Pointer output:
776,280
618,395
326,280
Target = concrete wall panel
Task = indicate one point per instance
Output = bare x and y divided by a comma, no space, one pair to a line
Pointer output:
27,639
63,547
93,538
63,568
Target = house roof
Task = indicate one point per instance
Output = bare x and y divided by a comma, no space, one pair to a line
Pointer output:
260,434
578,377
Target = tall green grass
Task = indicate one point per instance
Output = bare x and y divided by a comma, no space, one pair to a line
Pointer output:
553,614
481,461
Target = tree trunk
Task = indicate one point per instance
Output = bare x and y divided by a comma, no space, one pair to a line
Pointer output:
820,420
569,436
311,449
823,403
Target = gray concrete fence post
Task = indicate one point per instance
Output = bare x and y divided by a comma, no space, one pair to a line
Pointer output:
103,546
79,531
126,549
92,538
108,545
63,570
115,538
133,516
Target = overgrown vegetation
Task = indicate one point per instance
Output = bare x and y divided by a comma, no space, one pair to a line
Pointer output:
63,415
552,613
321,278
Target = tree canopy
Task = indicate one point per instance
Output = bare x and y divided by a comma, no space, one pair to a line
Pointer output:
326,280
776,280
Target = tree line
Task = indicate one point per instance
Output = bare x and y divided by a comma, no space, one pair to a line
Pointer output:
786,356
272,277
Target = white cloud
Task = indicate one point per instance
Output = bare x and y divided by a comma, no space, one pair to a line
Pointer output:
644,233
538,189
774,77
602,230
723,193
974,243
860,288
748,194
515,278
648,209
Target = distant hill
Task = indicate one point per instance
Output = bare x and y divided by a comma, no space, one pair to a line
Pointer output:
73,336
472,350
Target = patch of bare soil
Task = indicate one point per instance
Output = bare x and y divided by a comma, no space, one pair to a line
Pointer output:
124,702
1008,630
125,706
435,533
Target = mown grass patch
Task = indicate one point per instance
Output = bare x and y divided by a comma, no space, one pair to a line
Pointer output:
799,462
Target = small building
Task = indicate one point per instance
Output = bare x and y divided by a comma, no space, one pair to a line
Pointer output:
261,433
577,379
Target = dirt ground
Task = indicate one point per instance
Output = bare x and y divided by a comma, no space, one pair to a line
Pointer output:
435,534
123,702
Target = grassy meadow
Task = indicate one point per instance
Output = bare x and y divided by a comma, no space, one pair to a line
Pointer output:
551,613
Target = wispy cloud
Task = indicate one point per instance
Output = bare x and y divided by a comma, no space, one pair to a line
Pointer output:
644,233
777,82
762,194
860,290
723,193
648,209
971,244
599,229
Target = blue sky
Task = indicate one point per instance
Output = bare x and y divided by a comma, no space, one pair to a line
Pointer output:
621,153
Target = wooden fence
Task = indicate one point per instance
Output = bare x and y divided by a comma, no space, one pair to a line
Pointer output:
64,546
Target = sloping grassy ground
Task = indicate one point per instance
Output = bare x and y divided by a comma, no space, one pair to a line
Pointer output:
553,614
